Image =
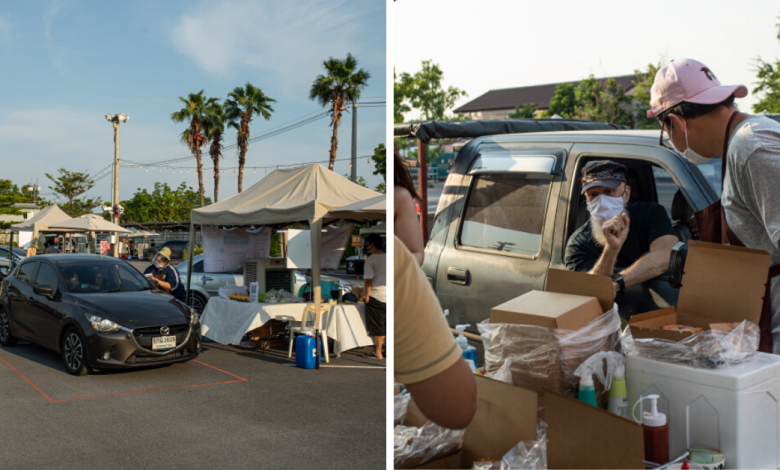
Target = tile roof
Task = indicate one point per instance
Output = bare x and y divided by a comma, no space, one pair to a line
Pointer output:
508,98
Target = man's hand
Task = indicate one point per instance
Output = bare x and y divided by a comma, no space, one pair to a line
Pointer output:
616,231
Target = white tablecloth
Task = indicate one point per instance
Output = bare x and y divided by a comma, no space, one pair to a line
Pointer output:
227,321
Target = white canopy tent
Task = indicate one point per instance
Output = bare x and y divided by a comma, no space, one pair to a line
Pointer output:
40,223
367,210
303,194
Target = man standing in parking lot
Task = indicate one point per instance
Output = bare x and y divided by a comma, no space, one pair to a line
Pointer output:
165,276
375,275
631,243
699,116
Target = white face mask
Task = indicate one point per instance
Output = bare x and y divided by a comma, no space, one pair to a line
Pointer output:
690,154
603,207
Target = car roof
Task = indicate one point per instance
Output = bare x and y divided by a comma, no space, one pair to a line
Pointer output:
62,258
644,137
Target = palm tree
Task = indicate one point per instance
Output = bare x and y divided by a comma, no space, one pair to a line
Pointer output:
193,112
214,124
242,103
342,86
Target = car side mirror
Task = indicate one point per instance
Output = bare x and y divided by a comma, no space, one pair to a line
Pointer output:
677,264
44,290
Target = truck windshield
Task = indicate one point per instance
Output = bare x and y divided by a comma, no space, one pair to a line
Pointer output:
711,172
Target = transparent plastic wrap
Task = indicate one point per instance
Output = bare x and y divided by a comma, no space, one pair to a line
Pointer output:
283,297
231,289
547,357
709,349
401,403
530,455
416,446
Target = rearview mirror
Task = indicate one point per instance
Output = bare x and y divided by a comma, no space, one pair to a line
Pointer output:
44,290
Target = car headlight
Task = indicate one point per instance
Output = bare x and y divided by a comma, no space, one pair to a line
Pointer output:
194,317
102,325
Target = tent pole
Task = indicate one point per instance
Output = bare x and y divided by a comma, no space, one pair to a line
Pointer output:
316,241
191,250
422,183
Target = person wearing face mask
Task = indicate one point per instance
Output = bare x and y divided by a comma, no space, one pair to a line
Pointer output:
699,116
165,276
631,243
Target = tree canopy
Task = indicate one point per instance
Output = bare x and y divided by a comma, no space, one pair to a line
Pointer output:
528,111
10,194
425,92
70,185
642,85
768,85
163,204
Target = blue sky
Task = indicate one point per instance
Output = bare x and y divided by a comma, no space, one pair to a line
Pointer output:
65,64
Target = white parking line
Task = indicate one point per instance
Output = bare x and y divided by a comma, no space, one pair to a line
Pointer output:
345,367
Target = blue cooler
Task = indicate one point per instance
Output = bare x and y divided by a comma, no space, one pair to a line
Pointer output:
305,347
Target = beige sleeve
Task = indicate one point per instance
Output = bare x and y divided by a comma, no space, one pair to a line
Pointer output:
424,345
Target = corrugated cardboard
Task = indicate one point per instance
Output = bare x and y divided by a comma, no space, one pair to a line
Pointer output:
505,415
583,436
721,284
548,309
572,282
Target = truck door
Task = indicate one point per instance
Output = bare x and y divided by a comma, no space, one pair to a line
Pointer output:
499,244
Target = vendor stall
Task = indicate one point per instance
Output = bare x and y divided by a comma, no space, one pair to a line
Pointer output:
89,223
40,223
305,194
227,321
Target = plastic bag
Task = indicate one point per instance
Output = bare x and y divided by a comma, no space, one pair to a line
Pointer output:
503,373
232,289
530,455
401,404
283,297
547,357
709,349
416,446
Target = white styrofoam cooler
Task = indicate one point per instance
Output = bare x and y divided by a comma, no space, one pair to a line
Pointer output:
734,410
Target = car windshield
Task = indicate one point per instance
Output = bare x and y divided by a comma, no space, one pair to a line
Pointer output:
711,172
20,252
85,277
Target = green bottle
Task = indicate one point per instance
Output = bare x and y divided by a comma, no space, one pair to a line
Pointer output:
618,397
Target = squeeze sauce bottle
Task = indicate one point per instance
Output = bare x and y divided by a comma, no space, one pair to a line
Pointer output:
656,433
469,352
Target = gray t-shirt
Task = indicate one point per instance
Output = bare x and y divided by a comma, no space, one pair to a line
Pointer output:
751,195
376,270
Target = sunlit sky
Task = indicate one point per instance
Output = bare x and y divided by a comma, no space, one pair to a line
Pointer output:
509,43
65,64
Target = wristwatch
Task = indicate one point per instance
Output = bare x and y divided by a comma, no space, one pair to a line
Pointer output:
619,279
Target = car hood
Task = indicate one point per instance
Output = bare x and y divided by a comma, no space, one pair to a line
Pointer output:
128,307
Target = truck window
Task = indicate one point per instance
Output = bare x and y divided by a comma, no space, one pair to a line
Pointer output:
665,188
505,212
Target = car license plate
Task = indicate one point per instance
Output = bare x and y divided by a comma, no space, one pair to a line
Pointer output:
164,342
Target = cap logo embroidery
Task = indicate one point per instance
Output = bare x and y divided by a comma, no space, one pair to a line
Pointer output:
708,73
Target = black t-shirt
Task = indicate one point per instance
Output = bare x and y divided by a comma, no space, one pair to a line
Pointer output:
648,221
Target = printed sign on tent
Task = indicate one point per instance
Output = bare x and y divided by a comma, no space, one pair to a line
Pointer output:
226,250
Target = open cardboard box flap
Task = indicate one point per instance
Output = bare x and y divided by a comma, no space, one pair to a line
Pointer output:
721,284
584,436
572,282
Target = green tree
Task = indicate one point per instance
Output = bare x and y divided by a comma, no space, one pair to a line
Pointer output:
427,95
381,188
163,204
340,87
380,161
768,84
70,185
214,123
401,95
10,195
564,102
194,112
642,85
360,181
241,105
528,111
601,102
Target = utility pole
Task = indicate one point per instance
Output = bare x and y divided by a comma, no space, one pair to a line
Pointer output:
353,165
115,119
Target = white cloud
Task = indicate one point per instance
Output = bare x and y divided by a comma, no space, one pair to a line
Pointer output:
289,38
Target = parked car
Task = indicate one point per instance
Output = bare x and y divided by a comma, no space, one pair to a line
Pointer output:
5,264
200,294
96,312
177,247
512,201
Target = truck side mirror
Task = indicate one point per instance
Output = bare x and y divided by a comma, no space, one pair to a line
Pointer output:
677,264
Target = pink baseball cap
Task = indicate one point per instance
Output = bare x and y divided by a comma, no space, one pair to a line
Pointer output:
688,80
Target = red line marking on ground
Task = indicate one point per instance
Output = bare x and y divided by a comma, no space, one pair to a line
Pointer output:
51,400
47,397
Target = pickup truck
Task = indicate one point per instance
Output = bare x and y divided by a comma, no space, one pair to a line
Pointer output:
512,201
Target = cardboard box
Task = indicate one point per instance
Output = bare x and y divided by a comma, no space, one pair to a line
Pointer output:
580,435
571,301
583,436
721,284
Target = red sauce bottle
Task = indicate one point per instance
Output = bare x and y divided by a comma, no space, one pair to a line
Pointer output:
656,433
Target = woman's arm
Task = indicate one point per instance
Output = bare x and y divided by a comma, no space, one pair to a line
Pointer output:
407,226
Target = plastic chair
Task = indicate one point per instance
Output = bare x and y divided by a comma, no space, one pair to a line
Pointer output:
308,312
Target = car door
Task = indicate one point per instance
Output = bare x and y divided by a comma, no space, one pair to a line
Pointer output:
499,245
20,295
216,280
45,314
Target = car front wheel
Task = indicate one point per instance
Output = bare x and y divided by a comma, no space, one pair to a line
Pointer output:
197,302
5,330
74,353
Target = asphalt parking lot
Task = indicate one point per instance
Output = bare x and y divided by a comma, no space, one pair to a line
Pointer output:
232,408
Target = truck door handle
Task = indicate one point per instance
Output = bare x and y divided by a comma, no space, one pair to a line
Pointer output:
458,275
208,278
